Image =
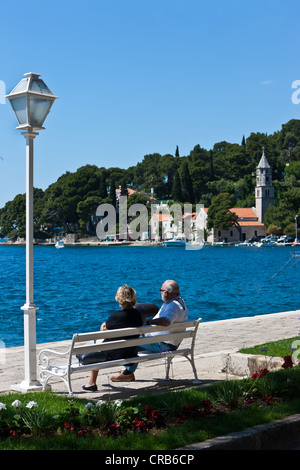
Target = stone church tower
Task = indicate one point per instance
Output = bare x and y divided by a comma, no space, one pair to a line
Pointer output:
264,190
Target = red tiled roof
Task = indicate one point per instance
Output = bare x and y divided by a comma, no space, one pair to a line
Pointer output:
244,212
162,217
250,222
246,216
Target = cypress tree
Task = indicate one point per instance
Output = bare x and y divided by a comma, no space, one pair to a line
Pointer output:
187,184
176,190
103,186
112,191
124,191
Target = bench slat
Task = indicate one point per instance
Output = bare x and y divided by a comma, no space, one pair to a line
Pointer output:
121,362
117,344
94,335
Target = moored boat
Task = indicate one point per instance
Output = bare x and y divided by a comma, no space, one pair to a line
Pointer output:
176,241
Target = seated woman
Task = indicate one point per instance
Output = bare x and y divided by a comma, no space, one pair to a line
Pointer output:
125,318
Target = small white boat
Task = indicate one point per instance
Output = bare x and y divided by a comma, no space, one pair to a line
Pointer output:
217,244
195,245
59,244
176,241
267,243
243,244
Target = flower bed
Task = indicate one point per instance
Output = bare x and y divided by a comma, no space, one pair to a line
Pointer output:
104,417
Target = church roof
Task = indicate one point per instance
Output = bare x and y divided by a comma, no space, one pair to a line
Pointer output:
244,213
263,163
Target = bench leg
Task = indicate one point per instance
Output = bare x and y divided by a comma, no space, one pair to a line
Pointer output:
192,362
169,360
69,385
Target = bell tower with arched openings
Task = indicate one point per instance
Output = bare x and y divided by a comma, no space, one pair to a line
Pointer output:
264,190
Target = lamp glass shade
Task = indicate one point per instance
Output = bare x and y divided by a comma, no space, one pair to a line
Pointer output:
31,101
19,105
21,87
39,86
38,110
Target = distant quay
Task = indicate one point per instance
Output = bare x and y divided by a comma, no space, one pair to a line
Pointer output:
90,241
72,240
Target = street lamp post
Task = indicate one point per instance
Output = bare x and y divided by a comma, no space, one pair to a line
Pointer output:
31,101
296,220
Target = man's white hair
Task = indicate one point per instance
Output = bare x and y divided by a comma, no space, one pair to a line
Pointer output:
172,287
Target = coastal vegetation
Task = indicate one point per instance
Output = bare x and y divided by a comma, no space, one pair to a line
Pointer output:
227,172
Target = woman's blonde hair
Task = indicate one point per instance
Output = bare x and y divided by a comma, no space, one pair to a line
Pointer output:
126,297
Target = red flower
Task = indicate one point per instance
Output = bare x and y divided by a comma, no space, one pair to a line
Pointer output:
141,425
268,401
261,373
288,362
68,426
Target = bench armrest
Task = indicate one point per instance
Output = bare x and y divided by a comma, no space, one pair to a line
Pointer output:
44,359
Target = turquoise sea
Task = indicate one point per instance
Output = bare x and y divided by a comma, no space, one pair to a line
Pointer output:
74,287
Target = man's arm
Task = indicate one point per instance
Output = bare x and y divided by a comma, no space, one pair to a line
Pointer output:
162,321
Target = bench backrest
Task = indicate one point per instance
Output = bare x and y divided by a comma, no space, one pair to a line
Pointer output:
91,342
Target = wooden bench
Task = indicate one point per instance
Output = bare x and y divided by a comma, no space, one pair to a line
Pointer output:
49,366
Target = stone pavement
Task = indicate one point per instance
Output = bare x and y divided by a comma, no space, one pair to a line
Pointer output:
213,340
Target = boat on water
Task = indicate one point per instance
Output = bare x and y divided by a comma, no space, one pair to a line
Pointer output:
59,243
245,243
176,241
266,243
194,245
270,240
182,241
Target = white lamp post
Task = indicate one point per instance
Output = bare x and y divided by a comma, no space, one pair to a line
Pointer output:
296,220
31,101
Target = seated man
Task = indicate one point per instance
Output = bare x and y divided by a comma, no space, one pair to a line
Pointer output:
172,310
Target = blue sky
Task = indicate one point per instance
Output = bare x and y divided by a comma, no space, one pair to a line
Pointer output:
136,77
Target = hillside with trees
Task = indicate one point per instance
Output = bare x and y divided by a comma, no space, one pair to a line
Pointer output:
199,177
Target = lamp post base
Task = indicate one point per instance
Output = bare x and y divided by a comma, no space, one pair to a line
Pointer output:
25,386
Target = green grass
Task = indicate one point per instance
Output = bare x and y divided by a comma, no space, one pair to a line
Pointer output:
227,397
278,348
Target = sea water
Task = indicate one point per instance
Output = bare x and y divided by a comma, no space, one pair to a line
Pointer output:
74,287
